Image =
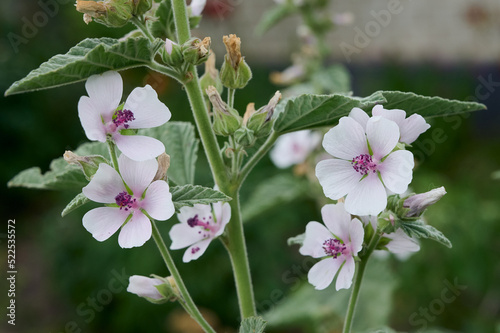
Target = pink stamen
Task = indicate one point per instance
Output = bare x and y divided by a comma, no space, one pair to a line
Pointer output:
122,117
195,221
334,247
125,201
363,164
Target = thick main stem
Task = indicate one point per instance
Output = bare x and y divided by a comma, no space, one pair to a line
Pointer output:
186,298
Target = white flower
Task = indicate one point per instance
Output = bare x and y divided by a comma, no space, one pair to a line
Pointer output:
401,243
101,119
294,148
365,164
409,128
108,187
199,226
197,7
145,287
338,243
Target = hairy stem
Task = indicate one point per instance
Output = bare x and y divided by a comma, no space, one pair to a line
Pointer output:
258,156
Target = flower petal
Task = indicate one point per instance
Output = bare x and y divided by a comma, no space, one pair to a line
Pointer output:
346,140
337,220
138,147
222,211
203,212
294,148
195,251
148,110
370,219
383,136
337,177
158,201
136,231
105,185
137,175
197,7
144,286
316,235
368,197
412,127
91,120
356,235
344,279
183,235
401,243
396,115
105,90
103,222
397,171
322,273
360,116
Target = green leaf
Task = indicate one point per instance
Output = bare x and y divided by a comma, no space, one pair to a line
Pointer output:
189,195
427,106
163,25
182,146
90,56
252,325
273,192
334,80
77,201
297,240
61,176
273,16
311,111
419,229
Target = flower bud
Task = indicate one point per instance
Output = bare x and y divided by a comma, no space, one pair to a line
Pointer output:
111,13
163,165
211,75
234,73
88,164
260,121
196,51
173,53
156,290
419,202
142,6
226,119
244,137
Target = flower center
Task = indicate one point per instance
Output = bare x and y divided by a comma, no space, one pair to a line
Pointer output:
334,247
122,117
125,200
364,164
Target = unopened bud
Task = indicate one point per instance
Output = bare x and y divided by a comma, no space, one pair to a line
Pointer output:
142,6
235,73
111,13
419,202
226,119
163,165
196,51
244,137
88,164
156,290
260,121
211,75
173,53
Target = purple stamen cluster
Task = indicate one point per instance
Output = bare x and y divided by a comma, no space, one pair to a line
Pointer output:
122,117
334,247
124,200
363,164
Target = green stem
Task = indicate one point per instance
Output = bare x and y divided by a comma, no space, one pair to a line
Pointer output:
360,270
112,154
165,70
181,21
235,244
230,97
186,298
258,156
138,22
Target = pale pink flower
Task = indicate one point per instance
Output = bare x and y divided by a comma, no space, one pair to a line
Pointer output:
338,243
401,243
143,196
294,148
197,7
365,164
198,226
417,203
409,128
101,119
144,286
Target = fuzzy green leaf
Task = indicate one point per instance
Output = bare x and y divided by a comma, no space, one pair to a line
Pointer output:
189,195
182,146
252,325
419,229
90,56
77,201
163,25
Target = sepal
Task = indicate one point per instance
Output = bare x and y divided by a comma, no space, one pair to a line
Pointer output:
88,164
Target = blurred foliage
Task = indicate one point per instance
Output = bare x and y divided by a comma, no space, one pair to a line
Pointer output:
68,282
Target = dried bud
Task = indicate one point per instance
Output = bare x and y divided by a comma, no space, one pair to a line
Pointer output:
226,119
111,13
211,75
260,121
419,202
196,51
235,73
163,165
88,164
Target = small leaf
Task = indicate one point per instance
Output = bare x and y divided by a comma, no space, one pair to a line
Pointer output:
90,56
252,325
189,195
297,240
77,201
419,229
311,111
182,146
163,25
273,192
274,15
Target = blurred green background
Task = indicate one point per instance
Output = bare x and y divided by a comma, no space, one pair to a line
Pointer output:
68,282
